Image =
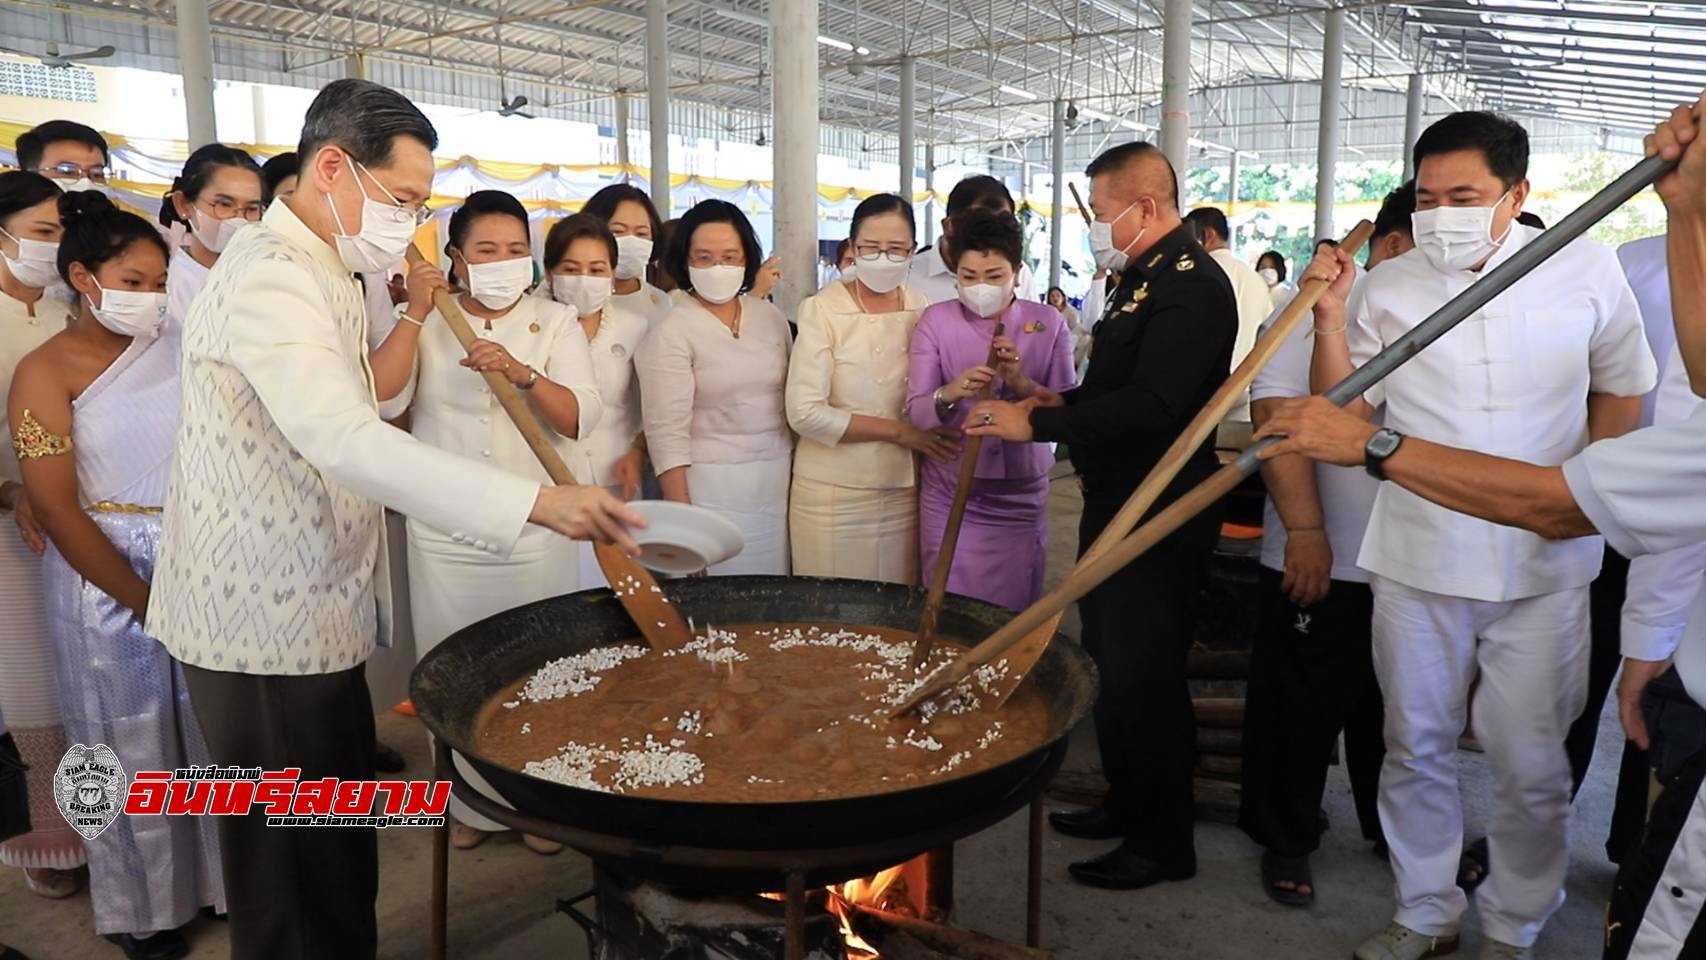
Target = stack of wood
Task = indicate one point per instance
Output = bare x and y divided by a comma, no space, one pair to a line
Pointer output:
1217,680
1217,686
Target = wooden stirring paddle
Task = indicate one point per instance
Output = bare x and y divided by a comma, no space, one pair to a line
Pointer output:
658,619
951,533
1026,637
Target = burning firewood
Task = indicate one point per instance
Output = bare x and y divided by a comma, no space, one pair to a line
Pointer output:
892,933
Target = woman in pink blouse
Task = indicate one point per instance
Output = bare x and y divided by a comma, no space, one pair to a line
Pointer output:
1000,556
711,378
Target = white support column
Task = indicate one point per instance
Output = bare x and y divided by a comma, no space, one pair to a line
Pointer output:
1176,86
793,29
657,98
258,110
1327,146
908,127
195,59
621,109
930,188
1057,166
1414,105
1232,184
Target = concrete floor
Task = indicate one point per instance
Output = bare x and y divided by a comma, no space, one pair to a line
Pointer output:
503,895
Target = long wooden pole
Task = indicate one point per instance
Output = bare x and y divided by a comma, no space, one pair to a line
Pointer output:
1086,576
1026,654
659,621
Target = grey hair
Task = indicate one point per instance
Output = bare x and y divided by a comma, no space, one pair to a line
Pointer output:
363,118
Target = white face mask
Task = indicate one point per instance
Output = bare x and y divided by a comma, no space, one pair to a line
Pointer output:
81,184
386,229
986,299
129,313
1457,238
880,274
499,283
717,284
37,264
1269,276
586,293
216,234
848,273
1102,241
632,255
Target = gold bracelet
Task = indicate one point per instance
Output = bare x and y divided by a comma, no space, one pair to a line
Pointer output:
1333,332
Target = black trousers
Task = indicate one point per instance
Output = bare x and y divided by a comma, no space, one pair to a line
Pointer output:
1311,676
1137,627
1605,611
294,893
1677,828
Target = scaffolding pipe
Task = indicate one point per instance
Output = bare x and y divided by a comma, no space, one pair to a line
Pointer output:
1176,85
657,97
622,129
908,127
1327,141
1414,103
1057,167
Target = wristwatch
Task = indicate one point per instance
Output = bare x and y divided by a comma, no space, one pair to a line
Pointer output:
532,378
1382,445
943,403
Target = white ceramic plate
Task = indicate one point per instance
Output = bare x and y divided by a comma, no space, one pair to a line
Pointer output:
681,538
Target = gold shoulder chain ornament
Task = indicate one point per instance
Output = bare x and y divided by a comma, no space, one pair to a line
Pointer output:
33,441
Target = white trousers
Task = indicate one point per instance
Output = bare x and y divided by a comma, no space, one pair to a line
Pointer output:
1532,659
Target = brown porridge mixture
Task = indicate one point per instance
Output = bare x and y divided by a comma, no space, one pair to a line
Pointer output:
753,713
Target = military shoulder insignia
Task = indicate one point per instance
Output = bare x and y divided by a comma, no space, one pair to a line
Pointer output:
1153,261
1185,263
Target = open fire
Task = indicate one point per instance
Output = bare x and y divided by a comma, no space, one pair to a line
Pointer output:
902,890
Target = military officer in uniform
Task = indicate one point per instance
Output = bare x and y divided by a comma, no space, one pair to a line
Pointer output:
1162,348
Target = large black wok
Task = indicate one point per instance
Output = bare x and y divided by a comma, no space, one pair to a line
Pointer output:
453,682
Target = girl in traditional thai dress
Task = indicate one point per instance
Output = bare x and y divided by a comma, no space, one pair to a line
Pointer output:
30,312
94,417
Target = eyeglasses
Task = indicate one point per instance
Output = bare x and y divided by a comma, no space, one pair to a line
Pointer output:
897,253
73,171
419,211
729,259
224,208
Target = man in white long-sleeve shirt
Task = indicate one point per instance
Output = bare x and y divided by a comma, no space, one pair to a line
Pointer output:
272,586
1644,493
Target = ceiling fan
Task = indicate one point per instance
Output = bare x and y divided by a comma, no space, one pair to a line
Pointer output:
512,107
53,58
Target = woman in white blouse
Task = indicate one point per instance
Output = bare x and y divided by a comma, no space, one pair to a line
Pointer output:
635,224
711,379
30,313
535,344
580,256
854,508
218,193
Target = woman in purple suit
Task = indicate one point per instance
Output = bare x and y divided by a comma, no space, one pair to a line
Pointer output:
1000,556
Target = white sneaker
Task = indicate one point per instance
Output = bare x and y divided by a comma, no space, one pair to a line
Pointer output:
1499,950
1398,942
